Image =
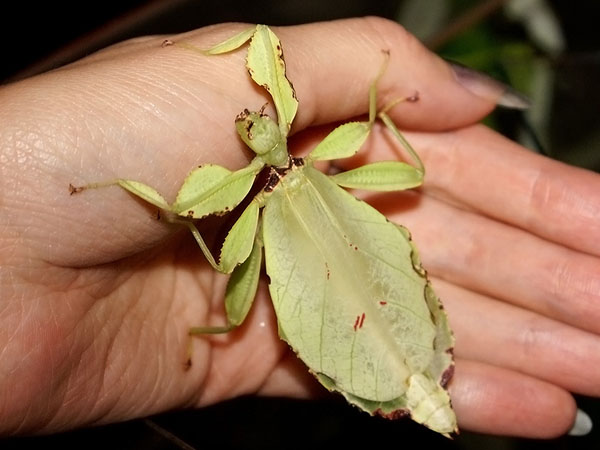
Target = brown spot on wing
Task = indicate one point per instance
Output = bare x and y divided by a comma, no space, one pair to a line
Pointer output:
447,376
392,415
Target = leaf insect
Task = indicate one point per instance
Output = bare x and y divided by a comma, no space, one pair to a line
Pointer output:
350,294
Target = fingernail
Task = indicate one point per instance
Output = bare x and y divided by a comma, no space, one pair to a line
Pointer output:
486,87
583,424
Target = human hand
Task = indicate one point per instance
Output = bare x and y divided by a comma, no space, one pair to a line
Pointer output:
98,296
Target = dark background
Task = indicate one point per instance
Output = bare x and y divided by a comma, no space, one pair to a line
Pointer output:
39,37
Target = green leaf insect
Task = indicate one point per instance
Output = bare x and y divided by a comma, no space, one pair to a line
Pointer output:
349,292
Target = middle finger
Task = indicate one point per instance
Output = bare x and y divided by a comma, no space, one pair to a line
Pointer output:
497,259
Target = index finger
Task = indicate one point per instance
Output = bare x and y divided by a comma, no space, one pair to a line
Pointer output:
491,174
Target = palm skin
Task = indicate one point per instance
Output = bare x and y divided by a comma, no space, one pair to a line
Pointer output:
98,296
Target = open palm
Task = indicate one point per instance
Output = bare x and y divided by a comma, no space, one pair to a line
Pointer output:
98,295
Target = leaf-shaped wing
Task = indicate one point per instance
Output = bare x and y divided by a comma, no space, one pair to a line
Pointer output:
267,68
351,302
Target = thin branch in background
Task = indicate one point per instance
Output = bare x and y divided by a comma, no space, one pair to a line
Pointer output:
463,22
113,31
168,435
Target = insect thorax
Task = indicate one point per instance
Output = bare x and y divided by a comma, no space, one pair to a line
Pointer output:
277,173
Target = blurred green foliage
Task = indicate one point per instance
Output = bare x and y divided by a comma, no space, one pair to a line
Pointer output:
542,48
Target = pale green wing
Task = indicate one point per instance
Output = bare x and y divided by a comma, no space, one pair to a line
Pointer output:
212,189
267,68
381,176
351,303
343,142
